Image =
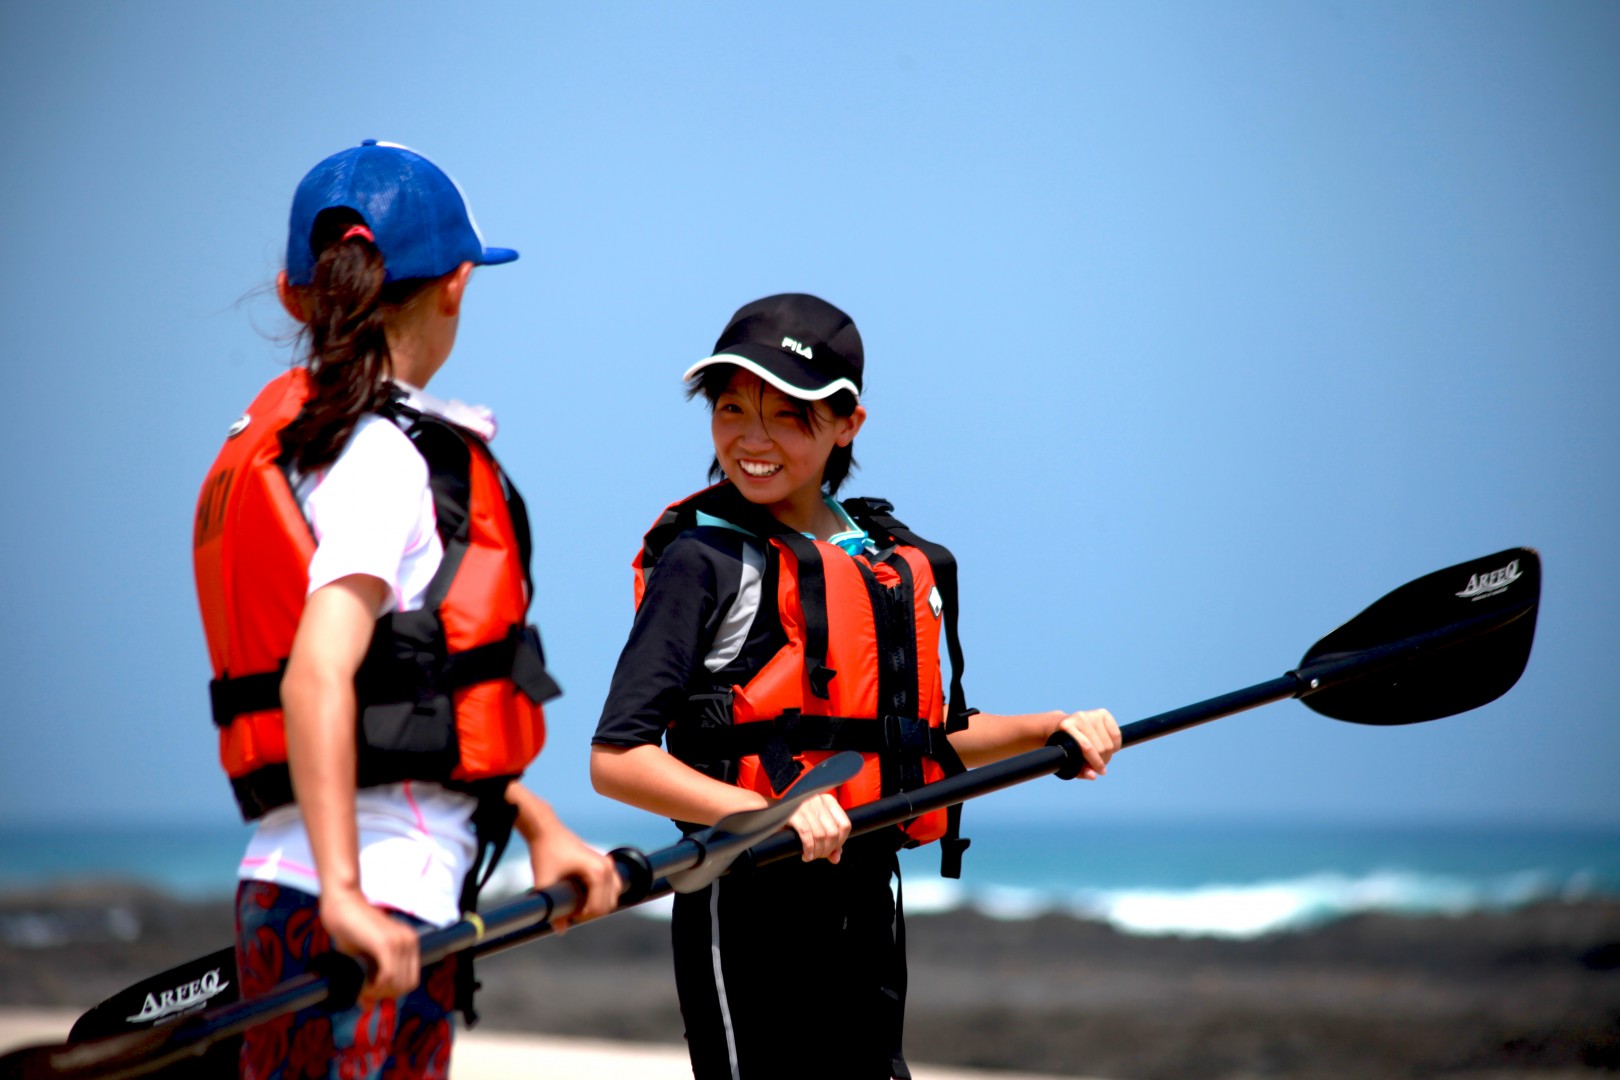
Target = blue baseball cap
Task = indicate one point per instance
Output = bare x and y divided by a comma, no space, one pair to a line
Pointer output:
415,211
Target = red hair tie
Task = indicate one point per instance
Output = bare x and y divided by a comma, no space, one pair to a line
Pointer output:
357,230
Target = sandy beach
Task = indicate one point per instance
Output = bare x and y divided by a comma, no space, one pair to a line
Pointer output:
1529,993
487,1055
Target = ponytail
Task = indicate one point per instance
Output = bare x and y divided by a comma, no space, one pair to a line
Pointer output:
344,334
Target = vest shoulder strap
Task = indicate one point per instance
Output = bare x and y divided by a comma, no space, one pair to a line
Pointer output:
448,450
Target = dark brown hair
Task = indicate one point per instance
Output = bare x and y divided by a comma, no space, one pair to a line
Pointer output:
346,308
712,381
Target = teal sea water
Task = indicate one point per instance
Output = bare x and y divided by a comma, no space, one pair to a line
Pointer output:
1191,878
1243,881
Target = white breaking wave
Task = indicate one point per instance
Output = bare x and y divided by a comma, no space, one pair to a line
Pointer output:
1252,909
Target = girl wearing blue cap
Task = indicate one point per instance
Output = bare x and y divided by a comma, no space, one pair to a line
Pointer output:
776,625
362,568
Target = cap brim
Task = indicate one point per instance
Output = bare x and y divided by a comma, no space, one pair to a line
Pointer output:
782,370
496,256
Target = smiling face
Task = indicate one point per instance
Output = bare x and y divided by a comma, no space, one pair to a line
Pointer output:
774,447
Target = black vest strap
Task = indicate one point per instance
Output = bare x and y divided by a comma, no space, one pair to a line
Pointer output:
230,697
492,829
711,741
812,604
518,656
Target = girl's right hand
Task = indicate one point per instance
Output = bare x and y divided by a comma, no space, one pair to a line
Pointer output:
359,929
822,826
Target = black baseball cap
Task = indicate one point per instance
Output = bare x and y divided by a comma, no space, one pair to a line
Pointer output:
798,343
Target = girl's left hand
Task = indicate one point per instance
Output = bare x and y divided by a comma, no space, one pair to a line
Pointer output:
1098,735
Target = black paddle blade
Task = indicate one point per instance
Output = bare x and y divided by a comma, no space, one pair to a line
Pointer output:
1443,644
205,982
200,983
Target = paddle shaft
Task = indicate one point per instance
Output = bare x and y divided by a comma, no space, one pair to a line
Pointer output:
1063,756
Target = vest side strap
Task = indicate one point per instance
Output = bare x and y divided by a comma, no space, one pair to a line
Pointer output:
516,656
230,697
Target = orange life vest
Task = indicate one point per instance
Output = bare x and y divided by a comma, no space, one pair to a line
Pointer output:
450,693
860,669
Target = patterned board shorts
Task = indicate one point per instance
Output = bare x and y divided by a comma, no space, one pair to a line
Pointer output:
278,934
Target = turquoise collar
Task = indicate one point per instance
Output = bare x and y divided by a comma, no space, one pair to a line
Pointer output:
852,539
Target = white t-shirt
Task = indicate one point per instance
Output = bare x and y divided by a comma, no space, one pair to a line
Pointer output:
372,513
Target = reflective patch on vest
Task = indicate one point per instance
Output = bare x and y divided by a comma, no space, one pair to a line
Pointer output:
733,633
240,425
936,602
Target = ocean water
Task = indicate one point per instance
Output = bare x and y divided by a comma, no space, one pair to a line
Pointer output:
1246,880
1197,878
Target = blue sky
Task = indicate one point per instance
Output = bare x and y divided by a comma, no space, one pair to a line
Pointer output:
1192,328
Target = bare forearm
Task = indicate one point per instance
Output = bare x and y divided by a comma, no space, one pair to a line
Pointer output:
320,711
320,715
534,815
647,777
990,737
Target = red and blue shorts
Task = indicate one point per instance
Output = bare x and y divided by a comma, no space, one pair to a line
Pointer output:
278,935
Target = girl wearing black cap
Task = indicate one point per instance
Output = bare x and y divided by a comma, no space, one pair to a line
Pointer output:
362,568
775,626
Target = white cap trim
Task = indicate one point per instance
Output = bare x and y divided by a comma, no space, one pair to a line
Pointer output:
774,379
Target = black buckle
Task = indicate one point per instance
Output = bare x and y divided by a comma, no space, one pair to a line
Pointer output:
529,672
820,675
950,855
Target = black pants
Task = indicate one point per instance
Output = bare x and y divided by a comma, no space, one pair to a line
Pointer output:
796,970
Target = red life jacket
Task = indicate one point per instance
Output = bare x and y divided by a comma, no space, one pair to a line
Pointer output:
450,693
860,669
